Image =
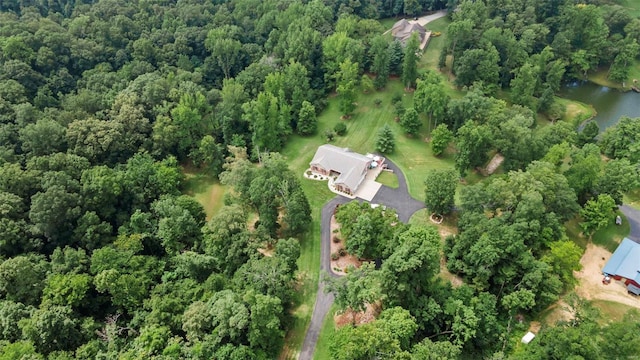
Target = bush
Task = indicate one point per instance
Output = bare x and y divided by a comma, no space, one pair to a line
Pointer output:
335,256
336,239
330,135
377,102
340,129
396,98
342,252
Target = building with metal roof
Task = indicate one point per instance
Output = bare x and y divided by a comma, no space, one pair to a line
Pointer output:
624,265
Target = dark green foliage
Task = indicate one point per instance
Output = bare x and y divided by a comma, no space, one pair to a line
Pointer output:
440,191
411,122
410,61
385,142
441,137
307,121
340,129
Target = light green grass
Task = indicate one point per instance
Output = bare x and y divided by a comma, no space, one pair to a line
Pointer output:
632,198
574,233
206,189
328,329
576,111
432,52
600,77
412,155
388,178
610,311
610,236
632,6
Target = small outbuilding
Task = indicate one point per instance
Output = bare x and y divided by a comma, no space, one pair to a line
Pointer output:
624,265
528,337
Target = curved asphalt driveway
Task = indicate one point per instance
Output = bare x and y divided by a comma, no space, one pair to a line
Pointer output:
633,217
405,206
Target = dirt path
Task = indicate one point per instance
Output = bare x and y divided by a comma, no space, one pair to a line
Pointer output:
590,284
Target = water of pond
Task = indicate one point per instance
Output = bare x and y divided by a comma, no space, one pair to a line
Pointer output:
610,104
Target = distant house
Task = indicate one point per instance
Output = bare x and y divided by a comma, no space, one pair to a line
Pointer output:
624,265
403,29
349,167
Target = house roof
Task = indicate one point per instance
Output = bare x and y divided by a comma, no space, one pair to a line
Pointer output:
403,29
349,164
625,261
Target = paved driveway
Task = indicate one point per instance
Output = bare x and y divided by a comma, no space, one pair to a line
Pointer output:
633,217
398,199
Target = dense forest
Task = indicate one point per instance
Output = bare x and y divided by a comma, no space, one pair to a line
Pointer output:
103,102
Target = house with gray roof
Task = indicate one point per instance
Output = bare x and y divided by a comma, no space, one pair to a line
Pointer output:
624,265
403,29
349,168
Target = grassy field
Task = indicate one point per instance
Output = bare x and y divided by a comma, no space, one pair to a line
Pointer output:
412,155
206,189
632,198
600,77
388,178
608,237
433,49
632,7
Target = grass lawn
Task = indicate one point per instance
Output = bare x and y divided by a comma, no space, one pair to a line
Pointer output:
412,155
206,189
576,111
632,6
610,311
610,236
574,233
388,178
632,198
328,329
600,77
432,52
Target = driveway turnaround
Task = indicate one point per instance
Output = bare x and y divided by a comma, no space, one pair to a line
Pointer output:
633,217
398,199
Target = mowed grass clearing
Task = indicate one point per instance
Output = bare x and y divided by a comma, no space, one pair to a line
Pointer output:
412,155
206,189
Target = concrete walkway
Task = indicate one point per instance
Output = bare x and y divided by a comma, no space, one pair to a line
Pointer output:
398,199
633,217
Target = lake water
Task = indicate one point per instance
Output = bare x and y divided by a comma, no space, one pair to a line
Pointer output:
610,104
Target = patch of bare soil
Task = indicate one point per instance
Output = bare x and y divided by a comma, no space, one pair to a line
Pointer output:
559,311
361,317
266,252
495,162
338,266
590,284
535,326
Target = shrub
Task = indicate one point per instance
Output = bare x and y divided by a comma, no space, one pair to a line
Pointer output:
330,135
340,129
336,239
342,252
335,256
377,102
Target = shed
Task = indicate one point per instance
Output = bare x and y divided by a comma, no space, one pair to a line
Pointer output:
528,337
